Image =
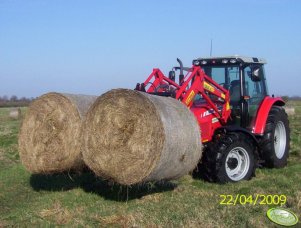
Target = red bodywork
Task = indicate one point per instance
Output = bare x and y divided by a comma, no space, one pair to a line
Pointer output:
263,112
212,110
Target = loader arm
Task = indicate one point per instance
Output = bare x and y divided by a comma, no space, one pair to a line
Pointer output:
195,82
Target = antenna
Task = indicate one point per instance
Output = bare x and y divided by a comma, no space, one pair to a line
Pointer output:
211,47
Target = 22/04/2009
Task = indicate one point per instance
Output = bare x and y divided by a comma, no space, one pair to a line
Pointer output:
260,199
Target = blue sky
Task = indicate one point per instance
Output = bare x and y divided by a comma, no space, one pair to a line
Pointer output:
89,47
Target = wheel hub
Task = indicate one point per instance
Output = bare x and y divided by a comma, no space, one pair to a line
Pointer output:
237,163
280,139
232,163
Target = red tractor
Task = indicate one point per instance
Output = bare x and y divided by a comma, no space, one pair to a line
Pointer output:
242,127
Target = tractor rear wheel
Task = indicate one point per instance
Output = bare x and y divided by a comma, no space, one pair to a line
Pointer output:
276,139
228,158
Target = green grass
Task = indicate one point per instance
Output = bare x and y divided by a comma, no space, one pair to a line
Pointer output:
84,200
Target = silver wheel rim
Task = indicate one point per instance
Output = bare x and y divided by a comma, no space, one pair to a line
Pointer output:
280,139
237,163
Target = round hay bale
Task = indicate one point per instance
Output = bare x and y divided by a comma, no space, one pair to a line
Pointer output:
132,137
289,110
15,113
49,138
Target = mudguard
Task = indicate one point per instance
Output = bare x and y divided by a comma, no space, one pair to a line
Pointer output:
263,112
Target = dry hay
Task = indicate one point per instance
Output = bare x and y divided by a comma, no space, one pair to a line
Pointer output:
116,220
15,113
132,137
2,154
290,110
49,139
299,200
57,213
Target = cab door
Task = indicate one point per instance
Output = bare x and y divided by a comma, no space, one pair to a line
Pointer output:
254,91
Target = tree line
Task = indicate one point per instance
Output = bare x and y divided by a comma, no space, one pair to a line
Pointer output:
14,101
291,98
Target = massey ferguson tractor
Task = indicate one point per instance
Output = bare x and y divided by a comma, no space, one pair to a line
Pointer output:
242,127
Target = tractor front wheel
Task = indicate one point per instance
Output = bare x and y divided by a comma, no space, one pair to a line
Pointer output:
229,158
276,139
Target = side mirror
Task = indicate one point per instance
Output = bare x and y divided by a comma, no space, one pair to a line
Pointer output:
255,74
172,75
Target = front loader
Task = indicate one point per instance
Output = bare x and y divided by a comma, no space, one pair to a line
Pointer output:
242,127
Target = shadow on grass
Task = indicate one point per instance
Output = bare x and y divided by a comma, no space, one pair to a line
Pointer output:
199,173
92,184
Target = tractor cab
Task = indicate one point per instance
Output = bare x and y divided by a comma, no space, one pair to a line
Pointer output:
244,78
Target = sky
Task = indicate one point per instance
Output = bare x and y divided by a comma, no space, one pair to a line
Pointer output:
90,46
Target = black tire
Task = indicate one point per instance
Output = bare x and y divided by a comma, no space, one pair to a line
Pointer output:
213,165
272,159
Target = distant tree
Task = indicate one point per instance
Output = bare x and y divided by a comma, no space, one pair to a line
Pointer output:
23,99
13,98
4,98
14,101
295,98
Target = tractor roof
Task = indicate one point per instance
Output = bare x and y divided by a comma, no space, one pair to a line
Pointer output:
232,59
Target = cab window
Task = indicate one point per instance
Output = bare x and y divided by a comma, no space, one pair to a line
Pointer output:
255,90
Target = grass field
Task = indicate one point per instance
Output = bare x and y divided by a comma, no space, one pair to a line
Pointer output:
83,200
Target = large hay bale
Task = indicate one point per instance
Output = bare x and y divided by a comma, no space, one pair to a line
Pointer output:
15,113
49,139
132,137
289,110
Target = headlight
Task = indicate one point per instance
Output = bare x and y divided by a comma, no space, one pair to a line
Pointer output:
197,63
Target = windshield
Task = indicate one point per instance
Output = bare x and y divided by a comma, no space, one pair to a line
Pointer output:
223,75
228,77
